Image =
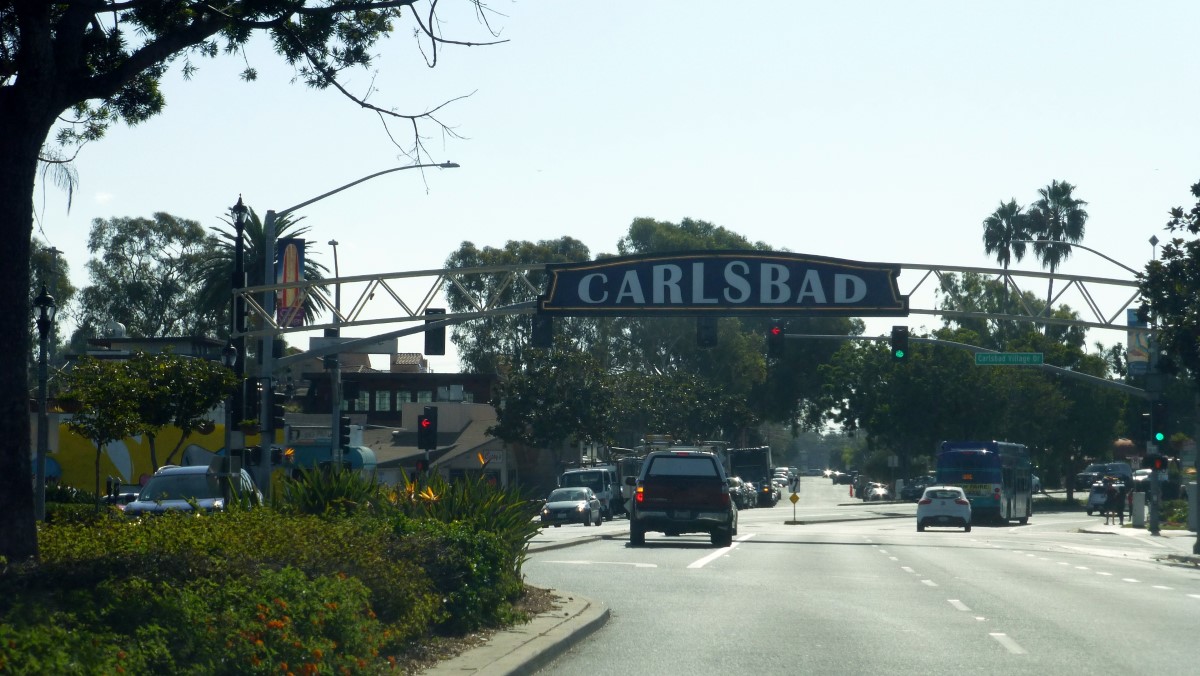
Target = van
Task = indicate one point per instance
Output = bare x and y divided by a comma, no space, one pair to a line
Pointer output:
603,482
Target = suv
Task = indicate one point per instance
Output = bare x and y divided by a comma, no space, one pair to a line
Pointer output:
1098,470
176,488
682,492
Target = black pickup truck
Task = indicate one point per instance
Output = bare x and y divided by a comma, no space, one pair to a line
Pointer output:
682,492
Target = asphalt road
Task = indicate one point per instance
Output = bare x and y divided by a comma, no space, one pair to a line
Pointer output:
854,588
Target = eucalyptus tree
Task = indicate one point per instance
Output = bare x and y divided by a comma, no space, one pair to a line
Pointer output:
142,274
69,70
493,344
1057,216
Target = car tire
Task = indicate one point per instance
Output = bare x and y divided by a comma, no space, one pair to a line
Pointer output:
637,536
587,519
920,527
967,528
722,537
1089,511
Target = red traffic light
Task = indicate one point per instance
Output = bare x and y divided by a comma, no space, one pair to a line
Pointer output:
1159,462
776,330
424,422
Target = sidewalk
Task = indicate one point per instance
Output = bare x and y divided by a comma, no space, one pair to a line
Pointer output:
1176,544
526,648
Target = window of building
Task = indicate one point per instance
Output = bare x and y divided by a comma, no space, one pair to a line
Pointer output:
383,400
402,397
364,401
469,397
425,396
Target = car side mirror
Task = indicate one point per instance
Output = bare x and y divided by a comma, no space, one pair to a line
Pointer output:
630,481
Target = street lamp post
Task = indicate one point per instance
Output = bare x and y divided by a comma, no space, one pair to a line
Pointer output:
237,317
229,357
268,356
45,322
334,361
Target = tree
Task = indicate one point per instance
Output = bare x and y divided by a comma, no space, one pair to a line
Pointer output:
492,344
1059,217
1003,233
107,399
215,269
143,275
71,69
177,391
1171,287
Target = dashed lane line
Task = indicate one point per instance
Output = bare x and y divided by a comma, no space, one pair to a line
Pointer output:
958,605
929,583
1009,644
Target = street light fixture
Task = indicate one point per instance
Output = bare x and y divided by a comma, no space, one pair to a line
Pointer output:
45,322
268,351
1077,246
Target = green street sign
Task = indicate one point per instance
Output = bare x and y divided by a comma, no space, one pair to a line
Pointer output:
1007,358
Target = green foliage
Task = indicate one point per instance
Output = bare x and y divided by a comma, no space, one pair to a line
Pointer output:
1175,514
1171,287
330,491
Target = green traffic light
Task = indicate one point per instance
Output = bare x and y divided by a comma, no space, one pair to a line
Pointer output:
899,354
1159,436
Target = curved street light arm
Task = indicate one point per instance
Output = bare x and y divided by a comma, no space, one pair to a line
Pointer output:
1078,246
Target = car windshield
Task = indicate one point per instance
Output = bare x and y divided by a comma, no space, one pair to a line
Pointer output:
592,480
181,487
566,494
1099,469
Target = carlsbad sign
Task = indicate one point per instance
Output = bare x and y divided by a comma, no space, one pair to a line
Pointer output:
724,282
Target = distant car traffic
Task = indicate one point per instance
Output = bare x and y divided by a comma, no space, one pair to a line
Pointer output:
175,488
1098,470
943,506
576,504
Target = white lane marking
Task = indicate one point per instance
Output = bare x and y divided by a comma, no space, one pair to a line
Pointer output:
1159,586
929,583
958,604
1099,572
1129,579
719,553
1017,551
907,569
1009,644
606,563
1195,596
981,619
1063,563
894,558
883,551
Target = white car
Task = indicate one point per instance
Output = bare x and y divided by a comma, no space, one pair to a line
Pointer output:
944,506
1037,483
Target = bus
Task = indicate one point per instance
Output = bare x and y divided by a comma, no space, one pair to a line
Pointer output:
995,475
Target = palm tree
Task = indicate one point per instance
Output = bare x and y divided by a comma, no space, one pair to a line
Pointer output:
1003,233
214,275
1057,216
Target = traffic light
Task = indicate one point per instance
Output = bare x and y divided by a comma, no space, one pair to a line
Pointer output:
543,332
344,431
435,339
1145,429
1158,463
427,428
278,399
706,332
276,455
254,455
422,466
1158,422
775,338
899,343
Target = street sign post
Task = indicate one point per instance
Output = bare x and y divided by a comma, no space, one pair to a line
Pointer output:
1007,358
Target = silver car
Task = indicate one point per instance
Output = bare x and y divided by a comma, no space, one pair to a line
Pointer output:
944,506
174,488
575,504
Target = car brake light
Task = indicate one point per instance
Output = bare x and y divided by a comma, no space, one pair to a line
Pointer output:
925,501
960,501
640,495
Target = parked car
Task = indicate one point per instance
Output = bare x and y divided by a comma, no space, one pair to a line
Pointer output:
175,488
576,504
1036,483
738,491
943,506
914,488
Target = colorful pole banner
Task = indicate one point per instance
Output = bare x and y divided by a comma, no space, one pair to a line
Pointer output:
289,266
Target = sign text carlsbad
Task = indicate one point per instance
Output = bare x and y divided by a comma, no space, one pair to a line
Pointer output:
724,282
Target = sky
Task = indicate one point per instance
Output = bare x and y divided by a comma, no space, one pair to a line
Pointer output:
864,130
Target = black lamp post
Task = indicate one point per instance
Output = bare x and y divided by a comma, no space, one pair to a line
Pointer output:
229,357
237,318
45,322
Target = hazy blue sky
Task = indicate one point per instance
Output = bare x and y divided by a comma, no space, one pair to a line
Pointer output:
875,131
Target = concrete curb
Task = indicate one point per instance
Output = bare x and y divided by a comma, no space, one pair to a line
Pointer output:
531,646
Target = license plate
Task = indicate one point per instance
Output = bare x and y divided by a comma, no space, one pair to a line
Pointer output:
683,514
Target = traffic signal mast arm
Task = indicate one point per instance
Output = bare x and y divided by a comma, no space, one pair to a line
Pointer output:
1057,370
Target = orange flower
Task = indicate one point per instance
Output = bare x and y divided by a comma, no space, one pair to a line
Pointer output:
317,654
